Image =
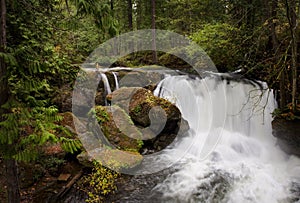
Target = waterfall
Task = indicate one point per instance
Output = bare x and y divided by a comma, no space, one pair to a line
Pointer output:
106,83
116,80
230,154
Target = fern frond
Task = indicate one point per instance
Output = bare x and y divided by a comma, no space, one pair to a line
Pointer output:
70,145
9,59
26,155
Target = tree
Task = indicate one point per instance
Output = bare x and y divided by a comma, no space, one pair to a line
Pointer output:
129,7
291,13
28,61
154,53
11,167
271,8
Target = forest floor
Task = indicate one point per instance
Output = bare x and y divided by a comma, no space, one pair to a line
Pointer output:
38,184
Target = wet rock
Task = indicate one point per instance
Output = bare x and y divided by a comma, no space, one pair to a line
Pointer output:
288,134
147,109
100,98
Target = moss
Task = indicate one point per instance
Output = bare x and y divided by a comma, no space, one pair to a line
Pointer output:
119,135
137,109
101,114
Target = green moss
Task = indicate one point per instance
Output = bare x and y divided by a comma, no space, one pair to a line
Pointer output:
137,109
101,114
117,134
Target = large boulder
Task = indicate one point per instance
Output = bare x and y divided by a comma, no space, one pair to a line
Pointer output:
159,120
123,140
112,158
144,108
118,128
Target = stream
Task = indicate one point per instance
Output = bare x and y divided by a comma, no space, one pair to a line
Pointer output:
229,153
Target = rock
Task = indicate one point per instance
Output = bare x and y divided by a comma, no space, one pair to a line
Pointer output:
139,101
85,159
82,102
122,97
112,158
118,128
143,101
140,79
68,121
100,98
159,120
288,134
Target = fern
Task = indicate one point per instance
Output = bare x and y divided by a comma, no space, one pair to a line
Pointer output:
70,145
9,59
29,121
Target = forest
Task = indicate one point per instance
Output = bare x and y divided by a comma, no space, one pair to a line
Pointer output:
44,42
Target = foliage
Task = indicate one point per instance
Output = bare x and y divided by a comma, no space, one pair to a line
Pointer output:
25,130
99,183
222,43
50,162
34,62
101,13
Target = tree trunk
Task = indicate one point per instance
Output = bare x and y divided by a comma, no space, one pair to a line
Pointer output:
275,46
292,18
153,33
3,83
12,181
139,8
129,11
112,5
11,167
130,24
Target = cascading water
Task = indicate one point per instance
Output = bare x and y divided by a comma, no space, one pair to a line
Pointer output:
230,154
106,83
116,80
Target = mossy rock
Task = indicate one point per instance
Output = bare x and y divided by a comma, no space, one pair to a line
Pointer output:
143,101
113,158
159,120
118,128
138,102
